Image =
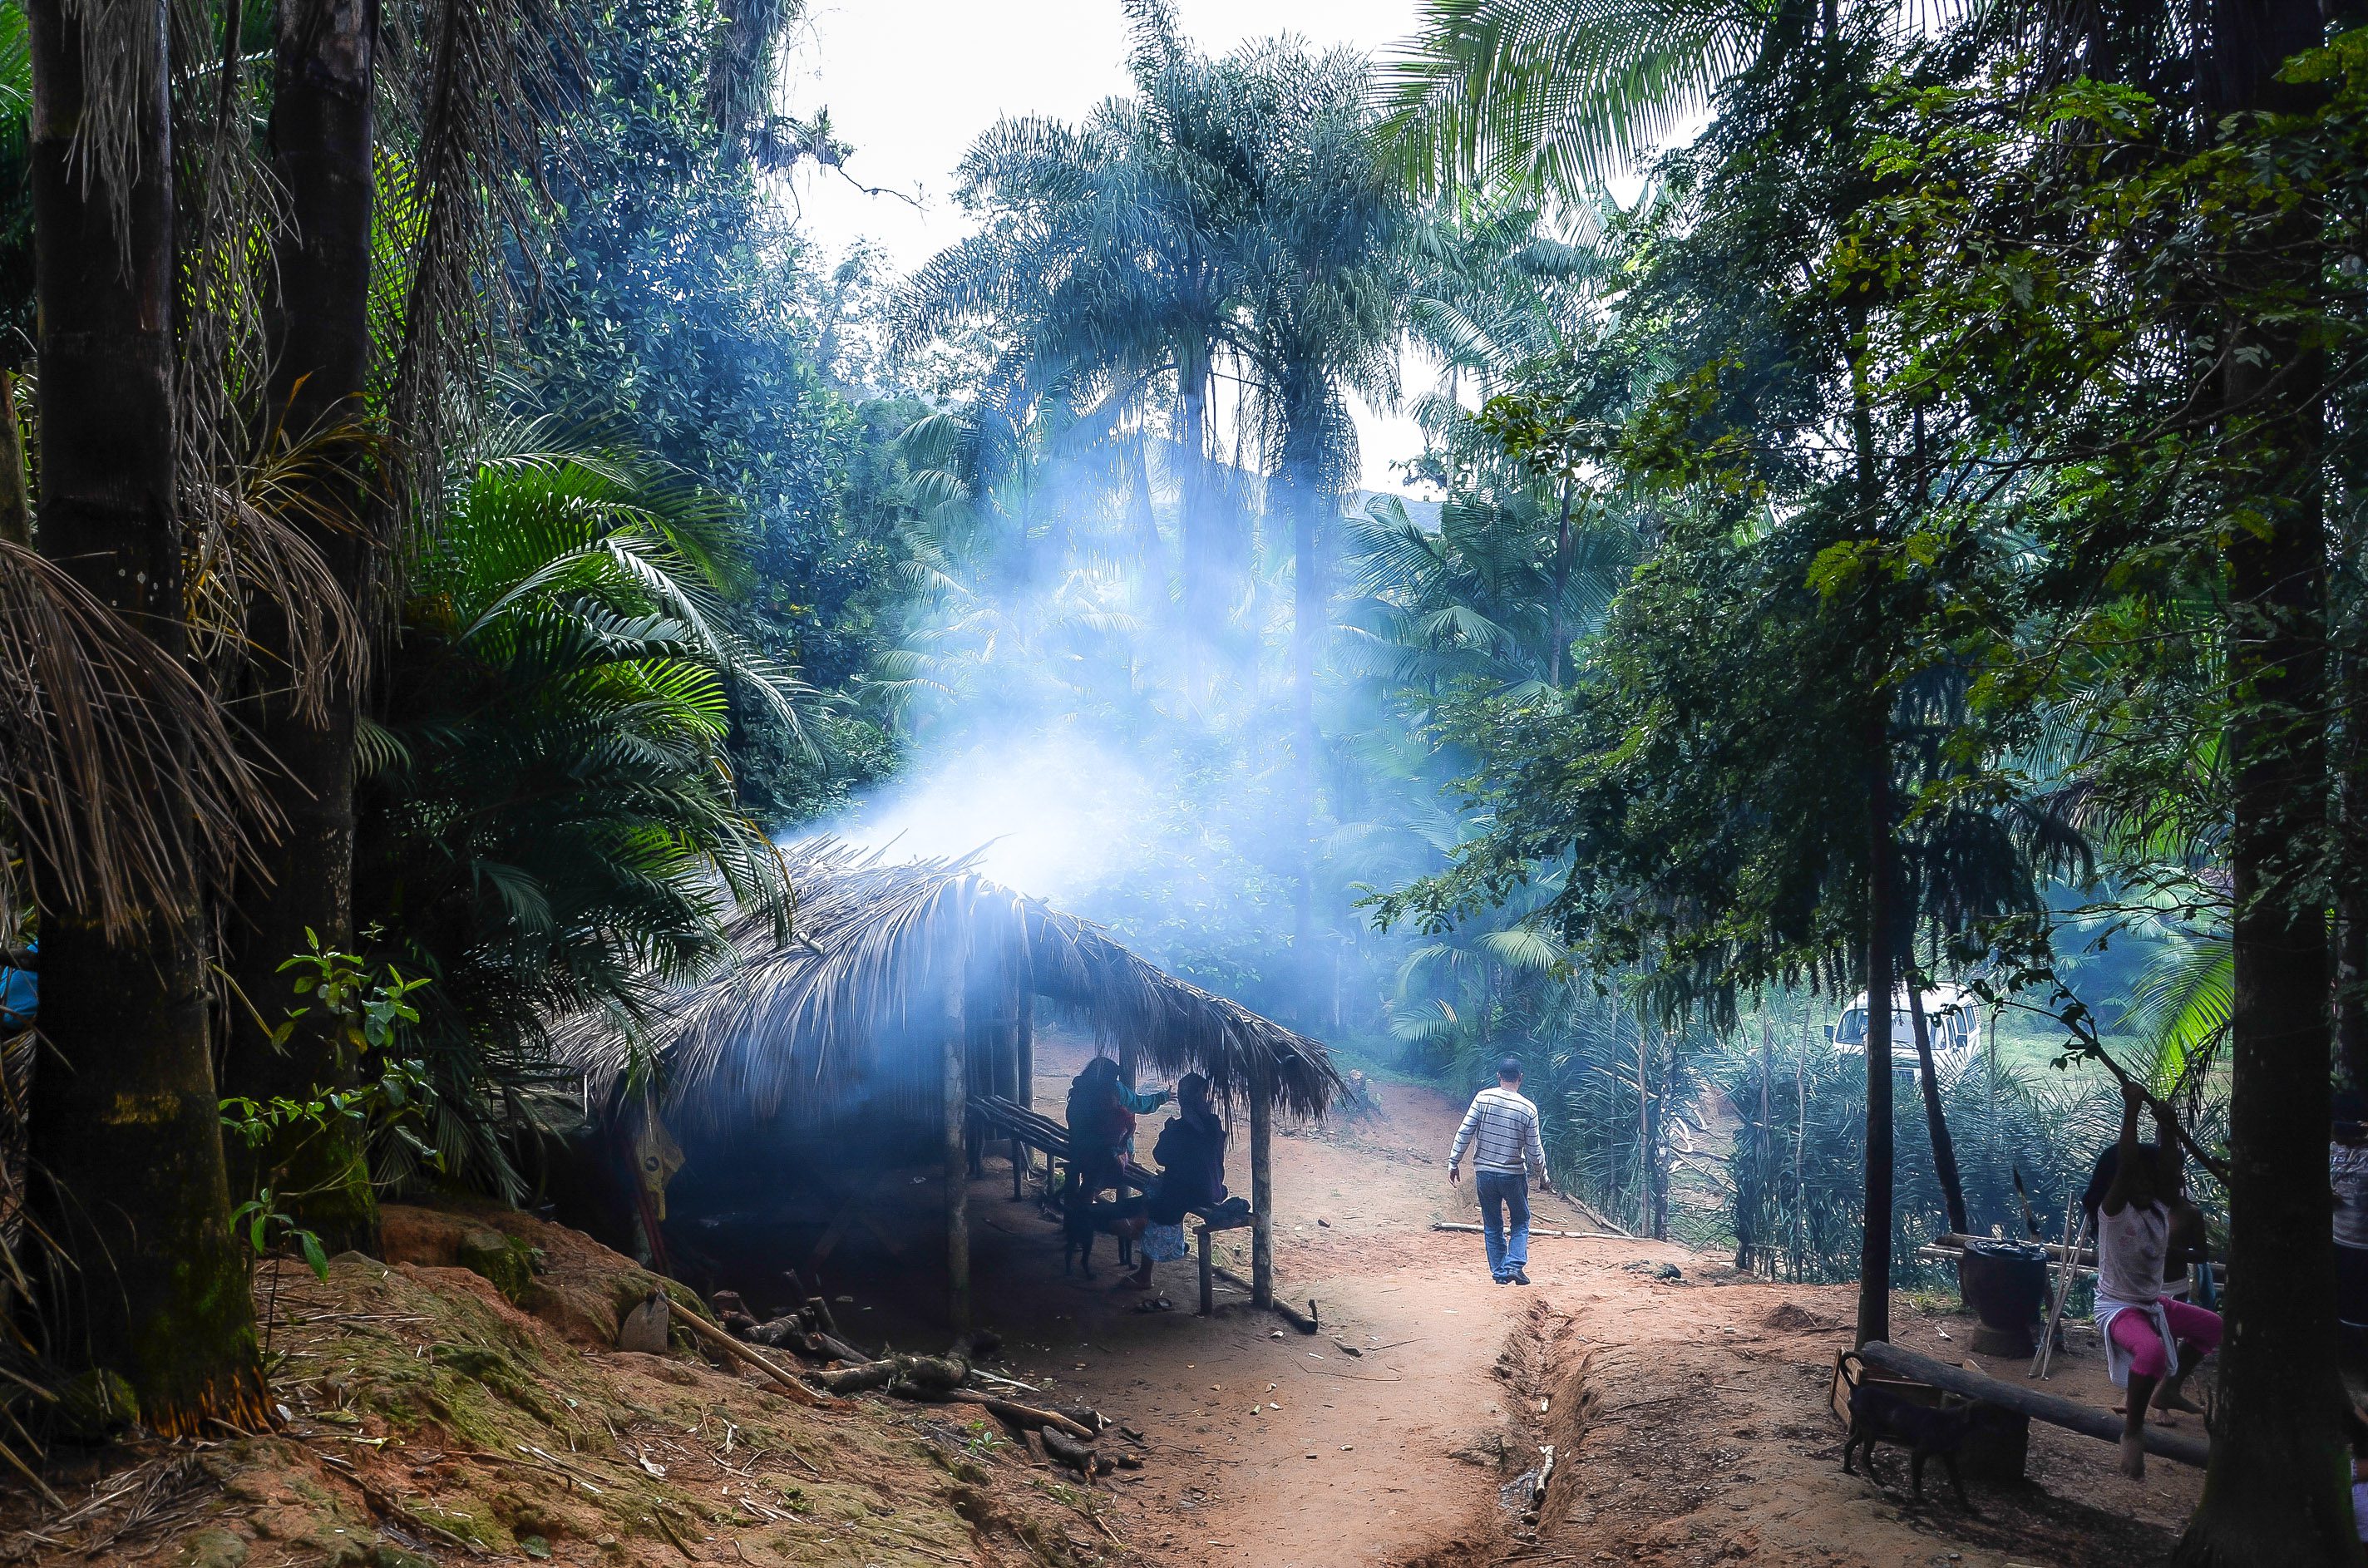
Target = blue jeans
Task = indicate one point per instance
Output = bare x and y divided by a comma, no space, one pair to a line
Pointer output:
1501,1191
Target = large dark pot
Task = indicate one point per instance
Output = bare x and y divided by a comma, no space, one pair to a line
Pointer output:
2005,1284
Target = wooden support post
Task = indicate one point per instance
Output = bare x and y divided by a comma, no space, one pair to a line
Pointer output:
1026,1095
957,1161
1208,1277
1261,1183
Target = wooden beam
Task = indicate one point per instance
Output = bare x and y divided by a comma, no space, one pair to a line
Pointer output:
1261,1183
2086,1419
956,1160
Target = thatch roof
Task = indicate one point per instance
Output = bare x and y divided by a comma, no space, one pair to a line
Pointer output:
877,948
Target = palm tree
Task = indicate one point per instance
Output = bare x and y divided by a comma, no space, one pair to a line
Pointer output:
553,828
1110,263
1560,97
126,1141
1324,318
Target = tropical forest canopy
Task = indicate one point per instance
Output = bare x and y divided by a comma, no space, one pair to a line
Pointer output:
1884,524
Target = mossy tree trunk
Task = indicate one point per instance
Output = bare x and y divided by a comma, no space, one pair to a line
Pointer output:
2277,1488
322,129
125,1150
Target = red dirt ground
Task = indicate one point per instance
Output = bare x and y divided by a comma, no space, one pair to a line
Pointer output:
1690,1417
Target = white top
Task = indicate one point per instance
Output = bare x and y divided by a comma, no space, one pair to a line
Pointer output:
2347,1165
1501,1131
2130,1249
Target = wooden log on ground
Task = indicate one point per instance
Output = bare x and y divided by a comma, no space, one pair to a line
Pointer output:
2073,1416
922,1371
707,1333
1303,1321
854,1379
1065,1449
1567,1235
1013,1413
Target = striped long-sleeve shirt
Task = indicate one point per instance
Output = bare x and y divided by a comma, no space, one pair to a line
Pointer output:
1501,1131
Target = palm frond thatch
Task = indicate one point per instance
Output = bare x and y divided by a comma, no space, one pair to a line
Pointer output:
880,947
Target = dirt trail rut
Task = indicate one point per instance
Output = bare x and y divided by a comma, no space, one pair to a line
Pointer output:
1689,1417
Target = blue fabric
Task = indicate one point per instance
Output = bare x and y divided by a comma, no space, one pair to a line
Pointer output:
20,998
1502,1192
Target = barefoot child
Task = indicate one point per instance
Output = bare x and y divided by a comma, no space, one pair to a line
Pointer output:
2152,1341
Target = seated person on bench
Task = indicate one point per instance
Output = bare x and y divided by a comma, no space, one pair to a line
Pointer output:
2152,1341
1191,1155
1101,1123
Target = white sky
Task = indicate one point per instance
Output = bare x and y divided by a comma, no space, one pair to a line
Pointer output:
909,85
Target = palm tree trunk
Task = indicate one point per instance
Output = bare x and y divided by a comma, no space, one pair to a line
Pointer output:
2276,1489
323,78
1555,633
2352,869
1875,1250
125,1134
1944,1147
1303,494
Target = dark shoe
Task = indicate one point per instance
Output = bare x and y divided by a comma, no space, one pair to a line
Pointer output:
1504,1280
1520,1276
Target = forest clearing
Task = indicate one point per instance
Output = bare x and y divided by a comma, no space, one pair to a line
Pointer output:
1417,782
1691,1414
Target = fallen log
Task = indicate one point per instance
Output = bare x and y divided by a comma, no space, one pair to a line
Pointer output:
922,1371
1303,1321
707,1333
2086,1419
1016,1413
1059,1446
834,1345
1566,1235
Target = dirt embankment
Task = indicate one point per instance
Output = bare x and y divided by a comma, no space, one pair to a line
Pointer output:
429,1417
432,1416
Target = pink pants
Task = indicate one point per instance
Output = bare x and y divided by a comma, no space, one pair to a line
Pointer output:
2135,1333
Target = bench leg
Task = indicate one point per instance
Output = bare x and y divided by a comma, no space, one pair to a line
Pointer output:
1208,1277
1019,1170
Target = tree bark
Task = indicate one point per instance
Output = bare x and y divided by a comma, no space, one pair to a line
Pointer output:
1875,1250
322,130
2277,1487
1944,1147
1261,1185
956,1090
1556,633
125,1136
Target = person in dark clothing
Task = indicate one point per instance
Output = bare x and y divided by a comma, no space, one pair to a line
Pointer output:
1101,1113
1191,1155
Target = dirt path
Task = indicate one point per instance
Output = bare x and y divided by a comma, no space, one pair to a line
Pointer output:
1270,1447
1690,1416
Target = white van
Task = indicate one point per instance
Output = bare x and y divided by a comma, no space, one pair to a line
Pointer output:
1951,1013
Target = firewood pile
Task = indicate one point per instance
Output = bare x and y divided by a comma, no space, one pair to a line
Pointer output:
1074,1435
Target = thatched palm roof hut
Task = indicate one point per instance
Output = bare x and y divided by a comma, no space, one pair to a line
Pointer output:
909,986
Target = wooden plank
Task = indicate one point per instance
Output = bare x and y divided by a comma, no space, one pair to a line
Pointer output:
2073,1416
1471,1229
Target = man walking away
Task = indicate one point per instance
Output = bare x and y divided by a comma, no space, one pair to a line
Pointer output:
1501,1131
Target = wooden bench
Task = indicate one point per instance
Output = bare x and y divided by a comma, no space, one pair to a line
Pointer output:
1031,1130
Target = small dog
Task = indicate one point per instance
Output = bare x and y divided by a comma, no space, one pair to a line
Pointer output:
1082,1219
1924,1430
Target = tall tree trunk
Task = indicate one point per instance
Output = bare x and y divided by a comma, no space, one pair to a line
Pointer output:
321,140
2351,863
1944,1147
1875,1250
1305,493
2276,1489
1881,884
1557,635
125,1131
